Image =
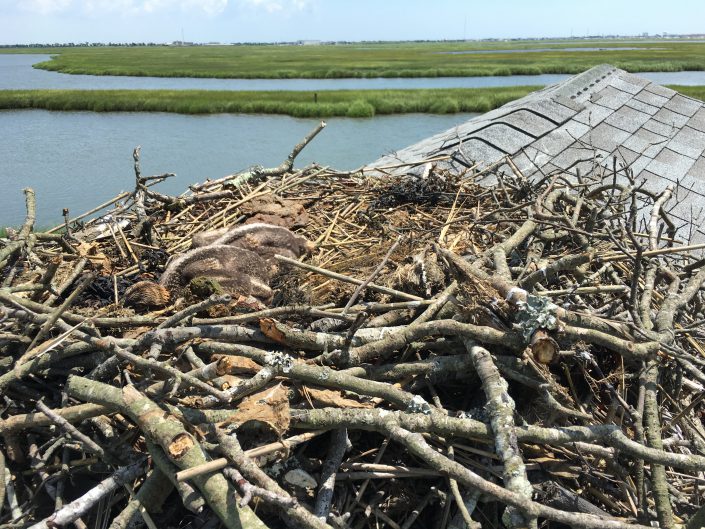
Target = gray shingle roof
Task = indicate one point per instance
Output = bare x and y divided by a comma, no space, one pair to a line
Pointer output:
604,111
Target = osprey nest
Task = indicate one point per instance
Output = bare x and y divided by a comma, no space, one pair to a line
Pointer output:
425,348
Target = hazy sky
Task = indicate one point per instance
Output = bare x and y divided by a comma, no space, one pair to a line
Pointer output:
25,21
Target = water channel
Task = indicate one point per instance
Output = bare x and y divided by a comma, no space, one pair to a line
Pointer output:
16,72
80,159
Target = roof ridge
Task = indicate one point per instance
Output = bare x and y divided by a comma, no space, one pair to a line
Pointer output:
580,85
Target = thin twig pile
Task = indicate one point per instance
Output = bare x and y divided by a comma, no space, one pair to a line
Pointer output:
450,355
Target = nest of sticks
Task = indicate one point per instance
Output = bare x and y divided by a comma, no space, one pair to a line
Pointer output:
450,355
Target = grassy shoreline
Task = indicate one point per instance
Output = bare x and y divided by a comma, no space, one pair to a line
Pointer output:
333,103
364,60
388,73
349,103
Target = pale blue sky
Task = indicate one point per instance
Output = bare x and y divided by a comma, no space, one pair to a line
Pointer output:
25,21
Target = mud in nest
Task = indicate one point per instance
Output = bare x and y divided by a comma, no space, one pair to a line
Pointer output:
432,188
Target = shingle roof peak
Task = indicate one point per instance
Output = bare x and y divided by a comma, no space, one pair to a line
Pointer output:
600,114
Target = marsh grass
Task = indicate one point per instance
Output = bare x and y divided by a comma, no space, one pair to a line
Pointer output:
696,92
350,103
39,229
388,59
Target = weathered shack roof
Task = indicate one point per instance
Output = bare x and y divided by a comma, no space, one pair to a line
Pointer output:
603,112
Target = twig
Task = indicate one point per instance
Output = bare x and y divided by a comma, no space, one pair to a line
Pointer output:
222,462
79,507
231,447
338,446
87,442
371,277
501,410
341,277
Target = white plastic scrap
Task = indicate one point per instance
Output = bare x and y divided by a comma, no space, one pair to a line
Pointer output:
535,313
585,356
300,478
279,359
419,405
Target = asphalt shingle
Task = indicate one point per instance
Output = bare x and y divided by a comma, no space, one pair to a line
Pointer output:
651,99
660,90
527,122
641,106
557,140
503,138
577,153
480,150
605,137
683,105
668,117
593,115
698,120
670,165
628,119
611,97
667,131
688,142
645,142
697,170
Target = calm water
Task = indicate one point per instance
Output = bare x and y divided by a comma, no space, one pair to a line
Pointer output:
16,72
80,159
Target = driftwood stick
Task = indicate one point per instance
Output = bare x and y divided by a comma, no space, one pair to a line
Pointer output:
233,451
150,496
178,445
347,279
501,410
3,469
69,428
47,277
222,462
77,271
250,491
326,377
655,214
611,435
416,444
289,162
78,413
652,429
258,173
148,364
23,235
338,446
78,508
192,499
104,205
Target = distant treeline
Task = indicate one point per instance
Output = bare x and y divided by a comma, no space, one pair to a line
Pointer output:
82,45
